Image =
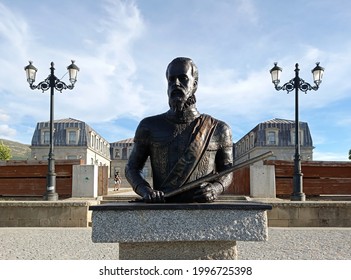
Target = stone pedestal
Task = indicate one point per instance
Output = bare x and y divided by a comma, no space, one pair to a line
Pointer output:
185,250
179,231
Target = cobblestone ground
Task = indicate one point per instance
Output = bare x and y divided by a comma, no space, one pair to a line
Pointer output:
75,244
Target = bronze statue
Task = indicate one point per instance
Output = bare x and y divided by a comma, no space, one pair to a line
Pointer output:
183,145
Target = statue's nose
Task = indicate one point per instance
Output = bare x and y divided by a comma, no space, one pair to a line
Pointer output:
176,81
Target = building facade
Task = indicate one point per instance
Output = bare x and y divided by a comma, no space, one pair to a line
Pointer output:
73,139
276,135
120,152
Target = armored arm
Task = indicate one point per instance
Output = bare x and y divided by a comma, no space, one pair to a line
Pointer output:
135,165
224,156
210,190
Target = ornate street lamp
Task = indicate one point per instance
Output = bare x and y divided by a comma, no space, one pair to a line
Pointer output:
53,83
298,84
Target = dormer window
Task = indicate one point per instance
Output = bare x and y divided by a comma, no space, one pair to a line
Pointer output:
117,153
252,140
92,139
272,137
72,135
301,136
45,137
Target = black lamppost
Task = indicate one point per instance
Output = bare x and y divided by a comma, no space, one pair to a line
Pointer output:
53,83
298,84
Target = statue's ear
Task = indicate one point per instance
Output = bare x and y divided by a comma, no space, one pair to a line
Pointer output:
195,83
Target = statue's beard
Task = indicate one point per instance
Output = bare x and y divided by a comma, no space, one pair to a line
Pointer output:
178,103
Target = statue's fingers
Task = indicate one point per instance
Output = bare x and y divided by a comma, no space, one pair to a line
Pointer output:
204,185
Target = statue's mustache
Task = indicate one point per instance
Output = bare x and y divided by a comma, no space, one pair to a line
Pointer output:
177,92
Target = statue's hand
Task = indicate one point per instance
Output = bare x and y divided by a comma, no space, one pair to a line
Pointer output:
150,195
208,192
154,197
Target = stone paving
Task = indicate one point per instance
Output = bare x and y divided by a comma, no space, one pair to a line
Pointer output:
76,244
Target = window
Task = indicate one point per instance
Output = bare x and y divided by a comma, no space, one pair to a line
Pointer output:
252,140
247,143
46,137
72,137
238,149
97,141
117,153
301,135
272,137
92,140
124,153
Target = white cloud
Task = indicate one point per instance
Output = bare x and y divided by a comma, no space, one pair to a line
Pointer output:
251,96
3,116
13,29
123,50
330,156
344,121
13,45
248,10
106,87
6,132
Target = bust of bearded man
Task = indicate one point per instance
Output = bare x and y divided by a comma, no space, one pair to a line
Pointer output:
182,144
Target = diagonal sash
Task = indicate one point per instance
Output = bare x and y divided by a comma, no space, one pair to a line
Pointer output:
185,166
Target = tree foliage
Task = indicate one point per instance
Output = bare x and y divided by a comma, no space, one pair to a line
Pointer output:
350,154
5,152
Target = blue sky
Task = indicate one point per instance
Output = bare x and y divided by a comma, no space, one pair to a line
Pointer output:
124,47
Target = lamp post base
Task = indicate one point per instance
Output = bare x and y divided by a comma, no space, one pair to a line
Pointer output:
298,197
51,196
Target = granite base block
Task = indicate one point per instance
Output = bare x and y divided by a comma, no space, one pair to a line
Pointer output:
179,231
187,250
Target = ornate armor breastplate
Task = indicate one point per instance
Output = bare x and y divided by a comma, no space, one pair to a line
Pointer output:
166,149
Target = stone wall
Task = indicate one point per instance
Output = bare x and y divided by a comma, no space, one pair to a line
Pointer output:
310,214
76,213
45,213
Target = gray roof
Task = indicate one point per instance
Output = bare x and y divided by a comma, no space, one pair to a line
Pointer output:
123,143
60,127
284,127
279,121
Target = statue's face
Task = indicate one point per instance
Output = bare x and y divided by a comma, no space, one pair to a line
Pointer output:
181,84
